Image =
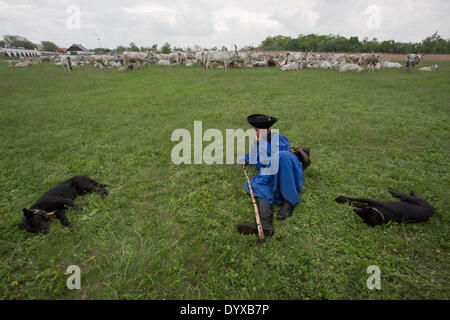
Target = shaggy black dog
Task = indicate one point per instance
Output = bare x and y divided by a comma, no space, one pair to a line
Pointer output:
409,209
53,203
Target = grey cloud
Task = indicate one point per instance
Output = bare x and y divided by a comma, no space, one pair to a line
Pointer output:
217,23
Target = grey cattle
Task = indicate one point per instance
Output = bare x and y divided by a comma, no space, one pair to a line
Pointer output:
412,60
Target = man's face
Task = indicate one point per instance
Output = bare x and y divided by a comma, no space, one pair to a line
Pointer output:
260,133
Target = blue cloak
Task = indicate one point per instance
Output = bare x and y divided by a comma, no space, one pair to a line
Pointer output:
280,173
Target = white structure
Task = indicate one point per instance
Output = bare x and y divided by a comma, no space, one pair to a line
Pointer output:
20,52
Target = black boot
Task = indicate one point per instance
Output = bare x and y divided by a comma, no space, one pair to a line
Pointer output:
266,215
285,211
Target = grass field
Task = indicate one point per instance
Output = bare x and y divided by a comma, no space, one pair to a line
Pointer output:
169,232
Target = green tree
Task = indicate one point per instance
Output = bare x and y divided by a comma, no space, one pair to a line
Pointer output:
435,44
101,50
166,48
354,44
291,44
331,43
18,41
133,47
275,43
120,49
49,46
247,48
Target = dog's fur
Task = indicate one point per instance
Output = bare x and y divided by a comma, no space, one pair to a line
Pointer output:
54,201
409,209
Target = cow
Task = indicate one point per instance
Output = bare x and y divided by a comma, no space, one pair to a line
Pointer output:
199,57
174,58
412,60
25,63
178,58
136,57
128,68
294,57
226,58
96,59
369,60
353,59
291,66
43,59
66,62
390,65
164,62
325,65
429,68
182,58
114,64
350,67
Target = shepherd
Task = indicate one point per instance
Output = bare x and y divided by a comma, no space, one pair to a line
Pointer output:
280,176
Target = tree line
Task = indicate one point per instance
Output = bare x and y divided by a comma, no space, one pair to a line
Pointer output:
22,42
335,43
166,48
312,42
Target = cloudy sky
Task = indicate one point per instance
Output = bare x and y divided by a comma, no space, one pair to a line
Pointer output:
211,23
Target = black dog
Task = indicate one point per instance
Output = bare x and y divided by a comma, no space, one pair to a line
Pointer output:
409,209
53,202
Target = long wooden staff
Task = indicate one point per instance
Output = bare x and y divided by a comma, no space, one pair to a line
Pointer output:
255,206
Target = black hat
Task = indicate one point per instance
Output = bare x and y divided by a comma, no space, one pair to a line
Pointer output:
261,121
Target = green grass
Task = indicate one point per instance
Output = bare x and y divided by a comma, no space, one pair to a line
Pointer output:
169,232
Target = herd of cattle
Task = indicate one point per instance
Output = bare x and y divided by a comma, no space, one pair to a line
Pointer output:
289,61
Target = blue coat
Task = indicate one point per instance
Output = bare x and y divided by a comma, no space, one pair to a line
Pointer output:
280,174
